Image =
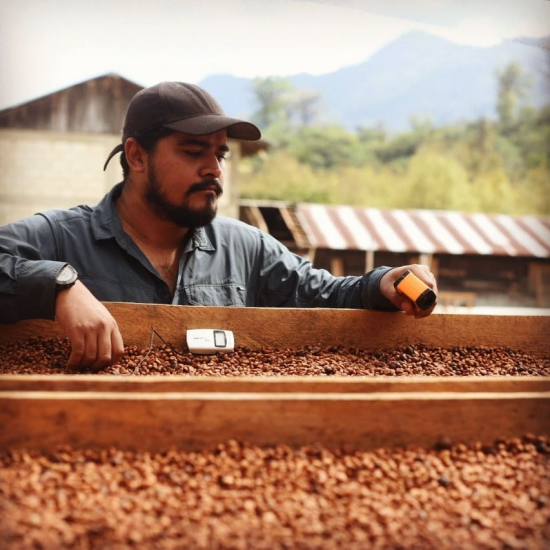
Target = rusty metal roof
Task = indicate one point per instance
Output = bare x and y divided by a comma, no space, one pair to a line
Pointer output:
424,231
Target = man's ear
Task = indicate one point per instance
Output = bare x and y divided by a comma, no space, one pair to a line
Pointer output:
136,156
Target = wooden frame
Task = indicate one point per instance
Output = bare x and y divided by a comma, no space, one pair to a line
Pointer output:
157,413
295,327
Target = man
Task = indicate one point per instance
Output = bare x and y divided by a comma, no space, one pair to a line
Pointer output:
155,238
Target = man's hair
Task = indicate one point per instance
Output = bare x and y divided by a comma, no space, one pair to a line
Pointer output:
148,141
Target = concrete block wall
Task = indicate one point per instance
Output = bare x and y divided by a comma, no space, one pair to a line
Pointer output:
41,170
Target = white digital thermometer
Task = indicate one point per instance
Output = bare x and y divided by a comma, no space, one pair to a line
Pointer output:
208,340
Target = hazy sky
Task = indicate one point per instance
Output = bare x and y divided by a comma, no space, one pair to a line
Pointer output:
46,45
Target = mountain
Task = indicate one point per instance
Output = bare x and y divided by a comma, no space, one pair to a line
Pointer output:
417,74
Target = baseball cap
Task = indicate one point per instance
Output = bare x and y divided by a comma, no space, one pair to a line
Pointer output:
182,107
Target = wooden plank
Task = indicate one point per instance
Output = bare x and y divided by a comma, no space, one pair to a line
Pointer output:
279,384
456,298
193,421
295,327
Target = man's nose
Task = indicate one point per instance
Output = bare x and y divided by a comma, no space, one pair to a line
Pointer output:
213,167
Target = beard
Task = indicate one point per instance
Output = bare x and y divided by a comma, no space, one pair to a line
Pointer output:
182,215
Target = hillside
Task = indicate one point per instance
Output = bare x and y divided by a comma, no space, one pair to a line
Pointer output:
417,74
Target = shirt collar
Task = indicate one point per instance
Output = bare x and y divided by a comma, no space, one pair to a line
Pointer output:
106,223
201,240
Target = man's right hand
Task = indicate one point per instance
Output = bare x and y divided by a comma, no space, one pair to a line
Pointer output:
95,339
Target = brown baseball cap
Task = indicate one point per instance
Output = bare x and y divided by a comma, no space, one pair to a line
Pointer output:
181,107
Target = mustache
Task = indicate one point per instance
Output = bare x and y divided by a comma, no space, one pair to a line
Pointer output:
204,185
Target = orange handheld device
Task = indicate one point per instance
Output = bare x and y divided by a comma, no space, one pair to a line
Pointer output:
412,287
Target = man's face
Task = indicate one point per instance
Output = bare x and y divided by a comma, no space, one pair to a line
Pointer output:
186,176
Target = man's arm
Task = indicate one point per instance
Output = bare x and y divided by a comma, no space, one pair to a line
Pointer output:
291,281
28,270
29,266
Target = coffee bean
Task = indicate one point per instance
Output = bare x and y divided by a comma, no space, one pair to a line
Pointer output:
41,356
238,495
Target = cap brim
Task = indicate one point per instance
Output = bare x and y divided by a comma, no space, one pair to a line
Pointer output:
203,125
208,124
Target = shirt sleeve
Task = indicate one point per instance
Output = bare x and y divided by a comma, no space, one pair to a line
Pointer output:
288,280
28,270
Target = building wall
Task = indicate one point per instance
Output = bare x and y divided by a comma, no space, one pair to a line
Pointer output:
41,170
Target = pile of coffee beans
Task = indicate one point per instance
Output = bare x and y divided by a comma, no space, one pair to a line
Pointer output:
242,496
49,356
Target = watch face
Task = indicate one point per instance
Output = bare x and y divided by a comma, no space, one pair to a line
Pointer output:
67,276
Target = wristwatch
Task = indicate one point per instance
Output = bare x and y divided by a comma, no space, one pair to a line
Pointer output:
66,278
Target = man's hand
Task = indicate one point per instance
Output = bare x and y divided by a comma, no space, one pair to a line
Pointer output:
95,339
400,300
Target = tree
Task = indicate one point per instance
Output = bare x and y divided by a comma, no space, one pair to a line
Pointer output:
476,148
480,165
272,94
436,180
512,88
371,136
327,147
533,192
304,106
282,177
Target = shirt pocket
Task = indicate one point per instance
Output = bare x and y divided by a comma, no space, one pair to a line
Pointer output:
225,294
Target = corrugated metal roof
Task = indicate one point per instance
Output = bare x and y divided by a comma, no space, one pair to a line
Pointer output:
424,231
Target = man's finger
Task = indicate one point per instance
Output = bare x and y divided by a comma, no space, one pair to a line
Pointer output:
78,348
90,353
117,345
103,354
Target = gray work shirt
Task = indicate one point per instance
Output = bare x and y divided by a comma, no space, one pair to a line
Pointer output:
227,263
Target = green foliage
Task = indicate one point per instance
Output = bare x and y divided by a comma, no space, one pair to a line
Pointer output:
326,147
304,107
530,135
512,88
435,180
283,177
489,166
534,192
270,94
280,105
